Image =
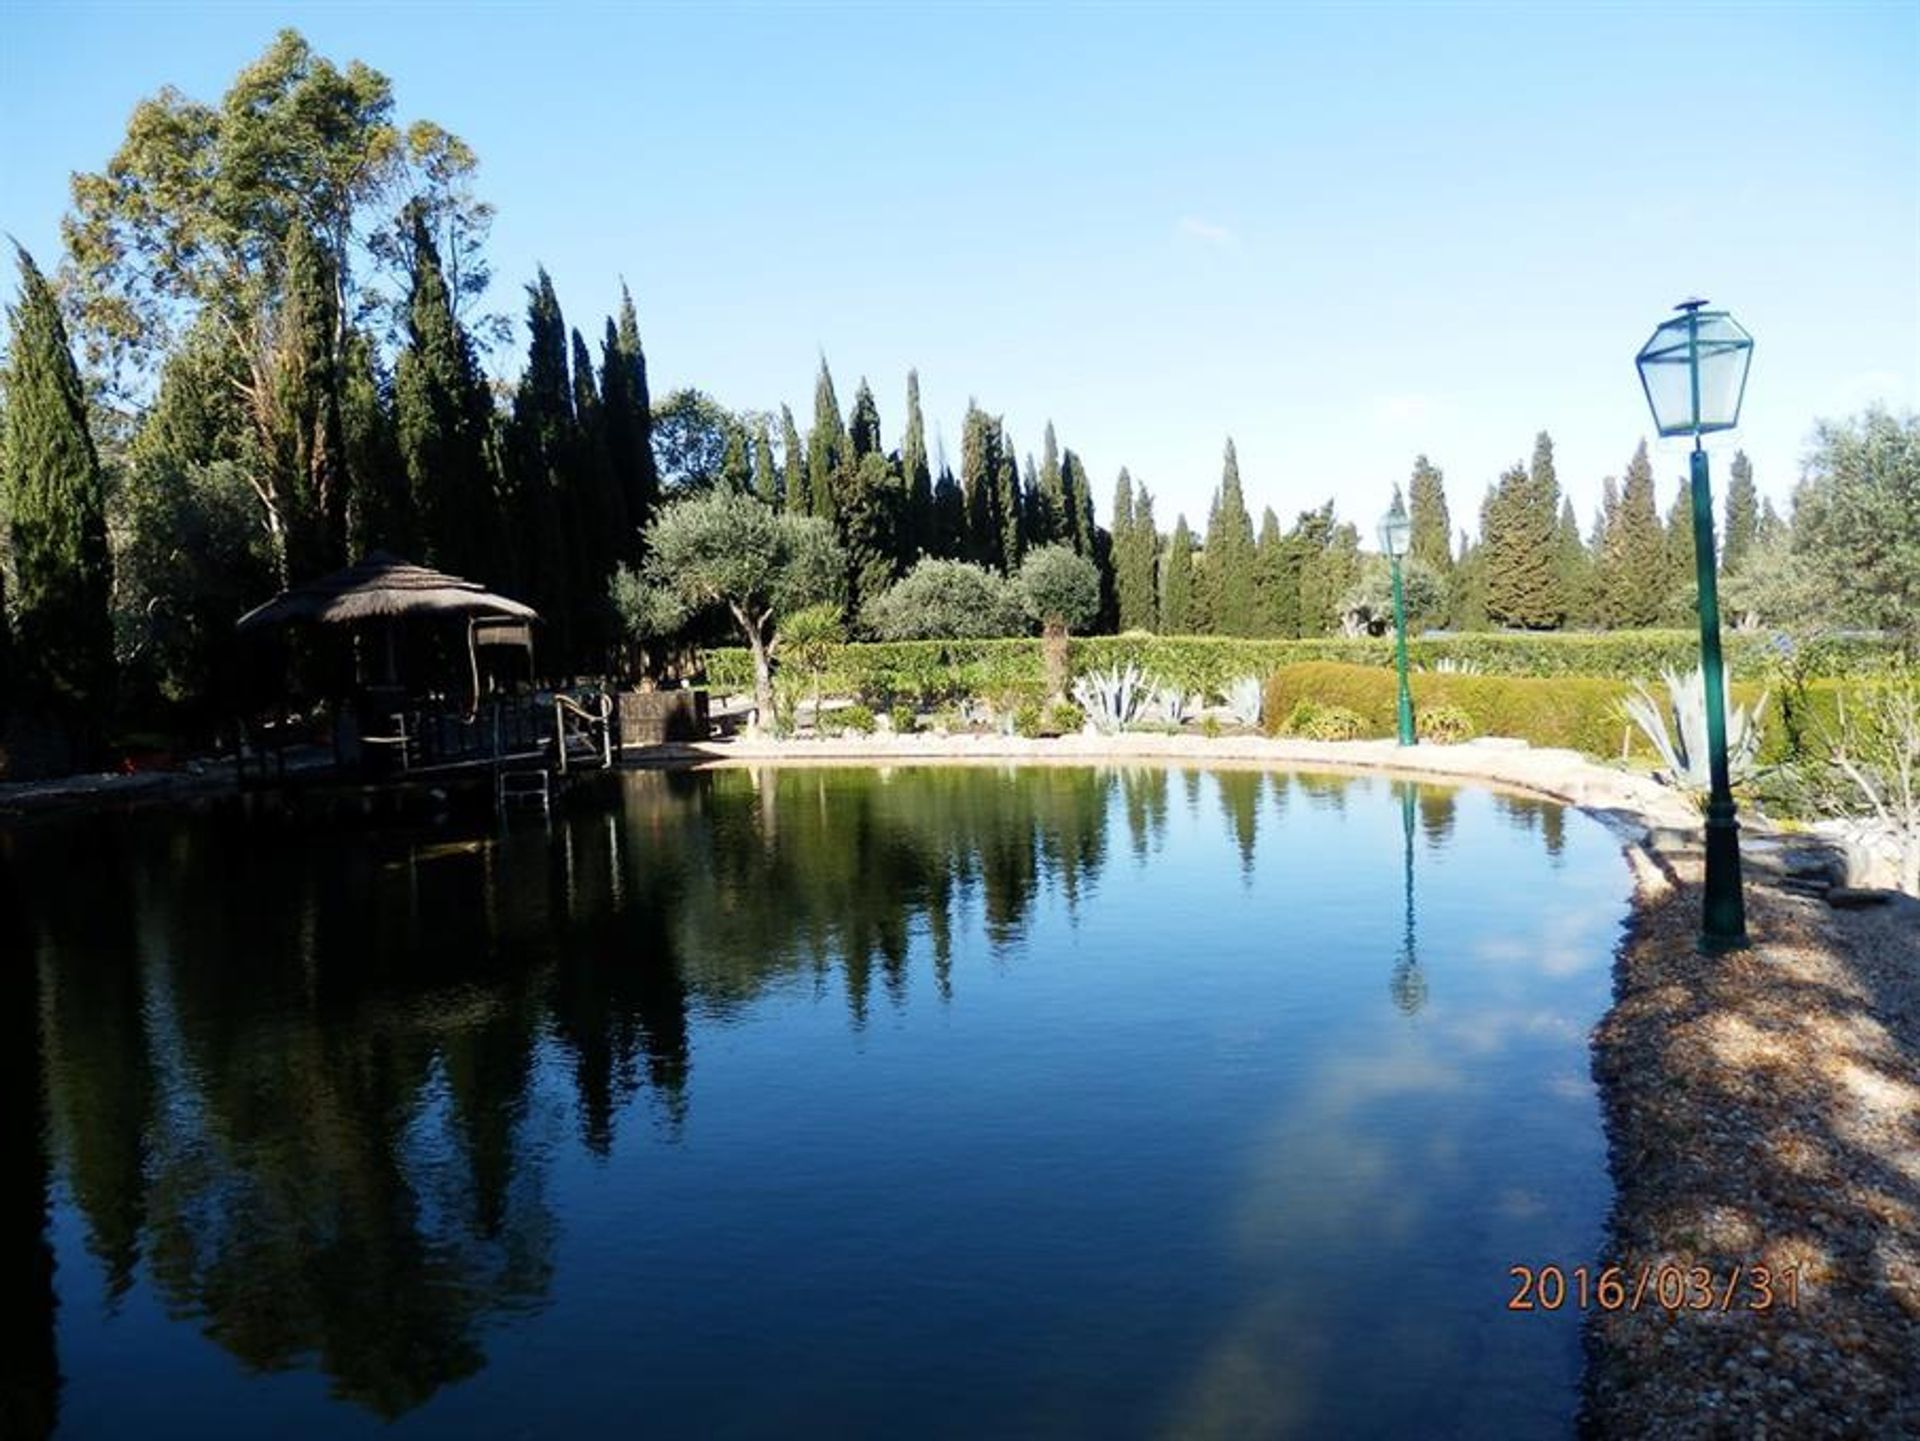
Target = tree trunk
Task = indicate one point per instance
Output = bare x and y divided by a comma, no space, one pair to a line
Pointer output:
763,718
1053,645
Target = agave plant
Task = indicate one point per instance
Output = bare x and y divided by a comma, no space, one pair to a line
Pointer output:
1452,665
1112,698
1243,700
1683,749
1173,704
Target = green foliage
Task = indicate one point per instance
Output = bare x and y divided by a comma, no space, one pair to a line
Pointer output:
1028,720
1632,563
1060,589
807,641
55,506
945,600
627,403
1136,547
1520,528
1431,543
442,413
1210,664
1226,589
1065,718
1311,720
1372,598
1582,713
691,433
855,719
1443,724
903,720
1176,582
1857,520
827,447
917,538
1743,515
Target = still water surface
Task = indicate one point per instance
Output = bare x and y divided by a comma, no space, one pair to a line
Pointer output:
926,1102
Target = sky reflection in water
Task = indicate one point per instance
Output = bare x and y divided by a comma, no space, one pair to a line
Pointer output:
940,1101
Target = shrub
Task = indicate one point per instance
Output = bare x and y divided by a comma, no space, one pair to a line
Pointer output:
848,719
1028,721
1444,724
1315,722
1210,727
1064,718
945,600
1210,664
903,720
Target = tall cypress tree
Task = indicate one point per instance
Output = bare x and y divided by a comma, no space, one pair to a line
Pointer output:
540,449
1007,505
1520,528
918,531
380,515
1227,581
1573,566
628,403
793,462
1081,532
980,485
1680,588
1131,604
1634,569
1276,582
863,424
1743,514
949,536
1431,542
1050,523
302,440
827,447
766,476
598,508
56,507
1176,582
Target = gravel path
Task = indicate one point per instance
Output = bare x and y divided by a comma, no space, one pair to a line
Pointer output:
1764,1108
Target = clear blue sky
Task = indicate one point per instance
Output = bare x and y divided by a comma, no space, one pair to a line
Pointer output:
1340,234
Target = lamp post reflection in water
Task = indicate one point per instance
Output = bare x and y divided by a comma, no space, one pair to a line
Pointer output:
1409,983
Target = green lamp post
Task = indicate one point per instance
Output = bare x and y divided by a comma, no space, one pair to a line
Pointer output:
1694,371
1395,533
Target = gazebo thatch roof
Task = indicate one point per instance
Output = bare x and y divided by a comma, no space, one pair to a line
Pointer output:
381,587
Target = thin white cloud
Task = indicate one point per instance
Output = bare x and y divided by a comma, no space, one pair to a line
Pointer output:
1409,410
1219,236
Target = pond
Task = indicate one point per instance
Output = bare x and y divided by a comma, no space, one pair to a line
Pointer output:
939,1101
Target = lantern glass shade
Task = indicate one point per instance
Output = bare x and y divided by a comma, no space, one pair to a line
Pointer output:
1709,343
1395,531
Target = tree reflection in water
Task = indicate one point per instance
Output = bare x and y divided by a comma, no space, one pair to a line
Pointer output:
299,1081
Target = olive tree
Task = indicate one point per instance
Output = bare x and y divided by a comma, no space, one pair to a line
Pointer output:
946,600
729,551
1061,590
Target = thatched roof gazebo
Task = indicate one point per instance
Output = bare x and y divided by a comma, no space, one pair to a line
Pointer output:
404,625
382,587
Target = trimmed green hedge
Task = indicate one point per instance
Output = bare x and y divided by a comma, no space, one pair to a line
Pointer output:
1576,712
931,670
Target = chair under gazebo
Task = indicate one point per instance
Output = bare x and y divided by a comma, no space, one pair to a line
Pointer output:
430,666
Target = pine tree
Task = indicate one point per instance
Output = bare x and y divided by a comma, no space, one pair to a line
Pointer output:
55,505
1634,568
1431,543
918,532
1467,590
793,463
1743,515
628,406
1226,589
1176,582
827,447
1771,527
